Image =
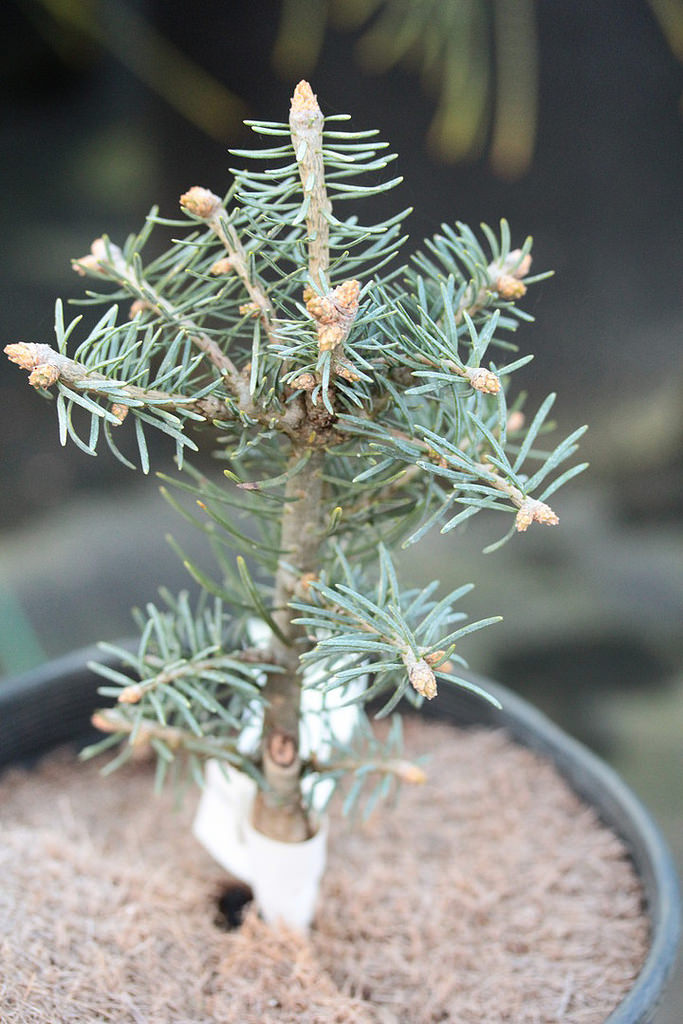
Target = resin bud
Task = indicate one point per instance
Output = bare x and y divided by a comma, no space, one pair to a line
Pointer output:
23,353
249,309
221,267
304,382
120,411
44,376
422,679
131,694
304,99
139,306
200,202
510,287
484,380
523,266
100,254
408,772
515,422
437,658
532,511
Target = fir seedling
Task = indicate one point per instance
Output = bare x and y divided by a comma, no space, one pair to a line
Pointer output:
358,402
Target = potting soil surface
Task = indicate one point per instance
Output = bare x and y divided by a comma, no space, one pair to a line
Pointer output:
489,894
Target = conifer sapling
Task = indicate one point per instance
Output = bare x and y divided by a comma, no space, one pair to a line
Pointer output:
357,402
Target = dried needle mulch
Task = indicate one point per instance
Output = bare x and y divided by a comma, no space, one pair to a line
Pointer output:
489,894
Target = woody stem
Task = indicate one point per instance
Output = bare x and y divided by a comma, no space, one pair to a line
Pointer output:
278,811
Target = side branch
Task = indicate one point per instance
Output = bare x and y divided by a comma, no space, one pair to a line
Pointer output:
238,262
530,510
110,720
46,367
203,203
478,377
165,676
505,278
403,770
107,258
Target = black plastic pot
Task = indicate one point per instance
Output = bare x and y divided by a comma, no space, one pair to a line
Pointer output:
53,704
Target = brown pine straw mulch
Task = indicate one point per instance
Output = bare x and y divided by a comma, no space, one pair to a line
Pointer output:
490,894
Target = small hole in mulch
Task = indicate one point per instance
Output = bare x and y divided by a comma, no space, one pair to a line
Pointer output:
232,903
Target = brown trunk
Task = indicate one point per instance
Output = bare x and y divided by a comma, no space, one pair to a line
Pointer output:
278,811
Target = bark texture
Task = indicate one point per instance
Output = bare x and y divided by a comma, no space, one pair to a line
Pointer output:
278,811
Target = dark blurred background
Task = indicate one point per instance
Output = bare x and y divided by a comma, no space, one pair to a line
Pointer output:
564,118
